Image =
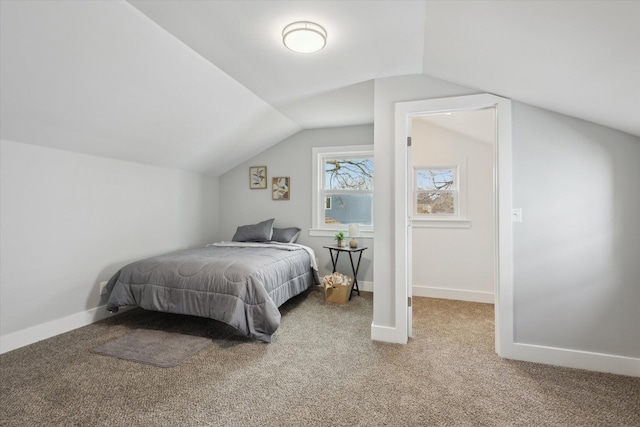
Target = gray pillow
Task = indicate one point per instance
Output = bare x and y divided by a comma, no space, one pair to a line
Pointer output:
260,232
285,235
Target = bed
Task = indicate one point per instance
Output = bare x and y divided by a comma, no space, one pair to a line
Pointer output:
241,283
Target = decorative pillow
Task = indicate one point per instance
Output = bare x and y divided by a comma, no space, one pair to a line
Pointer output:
285,235
260,232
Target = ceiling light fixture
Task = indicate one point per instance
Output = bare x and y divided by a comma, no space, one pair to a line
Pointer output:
304,37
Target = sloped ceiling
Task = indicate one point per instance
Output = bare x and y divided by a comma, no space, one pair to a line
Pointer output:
204,85
580,58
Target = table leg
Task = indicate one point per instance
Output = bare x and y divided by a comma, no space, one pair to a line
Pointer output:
355,273
334,261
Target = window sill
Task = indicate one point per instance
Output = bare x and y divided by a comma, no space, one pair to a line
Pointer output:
319,232
441,223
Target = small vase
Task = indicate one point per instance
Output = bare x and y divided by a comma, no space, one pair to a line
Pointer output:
341,243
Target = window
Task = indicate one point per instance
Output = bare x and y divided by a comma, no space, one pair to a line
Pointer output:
439,196
343,189
436,191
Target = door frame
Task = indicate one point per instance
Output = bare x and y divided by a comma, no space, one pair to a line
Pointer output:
503,286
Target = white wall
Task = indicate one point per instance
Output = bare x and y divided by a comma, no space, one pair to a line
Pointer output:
577,251
69,221
456,263
576,278
292,157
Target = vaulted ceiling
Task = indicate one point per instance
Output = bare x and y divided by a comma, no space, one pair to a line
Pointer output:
204,85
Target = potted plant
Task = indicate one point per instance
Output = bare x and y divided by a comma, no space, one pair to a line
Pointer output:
339,237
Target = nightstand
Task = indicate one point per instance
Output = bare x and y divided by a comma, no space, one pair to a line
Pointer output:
354,267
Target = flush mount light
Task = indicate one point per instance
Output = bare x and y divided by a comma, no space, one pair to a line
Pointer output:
304,37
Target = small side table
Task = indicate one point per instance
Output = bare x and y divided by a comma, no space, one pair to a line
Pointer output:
354,267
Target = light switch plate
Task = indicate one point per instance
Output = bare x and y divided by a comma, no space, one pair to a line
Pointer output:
516,214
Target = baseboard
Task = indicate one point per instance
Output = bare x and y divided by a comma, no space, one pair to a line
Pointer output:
50,329
457,294
386,334
567,358
365,286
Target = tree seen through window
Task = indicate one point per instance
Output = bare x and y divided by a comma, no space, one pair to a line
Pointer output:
436,191
348,190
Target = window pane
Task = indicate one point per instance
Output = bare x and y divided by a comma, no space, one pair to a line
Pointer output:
349,209
348,174
435,179
436,203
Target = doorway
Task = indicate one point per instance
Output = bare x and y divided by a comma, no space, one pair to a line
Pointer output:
451,205
503,256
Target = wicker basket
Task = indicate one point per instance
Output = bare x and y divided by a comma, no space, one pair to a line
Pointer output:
337,288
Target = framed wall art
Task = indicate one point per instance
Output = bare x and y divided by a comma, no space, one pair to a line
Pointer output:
257,177
280,188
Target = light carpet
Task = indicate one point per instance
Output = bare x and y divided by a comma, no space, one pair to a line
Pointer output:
322,369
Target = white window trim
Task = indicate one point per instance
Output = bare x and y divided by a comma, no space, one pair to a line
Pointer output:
441,223
318,156
458,220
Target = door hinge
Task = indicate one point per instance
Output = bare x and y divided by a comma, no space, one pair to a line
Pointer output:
408,141
408,301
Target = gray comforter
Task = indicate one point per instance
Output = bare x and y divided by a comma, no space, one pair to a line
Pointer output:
241,286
